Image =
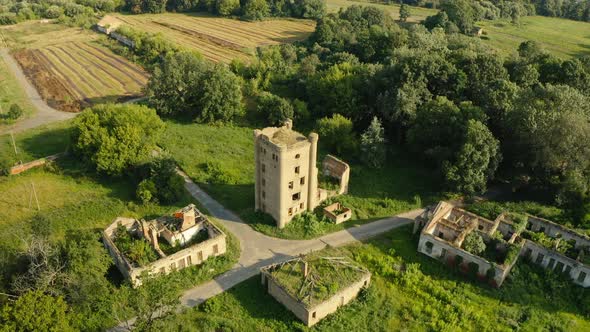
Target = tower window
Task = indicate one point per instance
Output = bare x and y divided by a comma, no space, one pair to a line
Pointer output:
301,206
290,211
302,180
263,194
263,168
296,196
291,185
263,182
297,156
297,170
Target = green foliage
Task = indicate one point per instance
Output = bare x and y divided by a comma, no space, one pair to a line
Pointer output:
186,85
255,10
160,182
337,134
372,144
112,138
35,311
476,162
276,109
14,112
404,12
227,7
474,243
137,250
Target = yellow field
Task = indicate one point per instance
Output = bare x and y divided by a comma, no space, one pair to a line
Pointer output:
219,39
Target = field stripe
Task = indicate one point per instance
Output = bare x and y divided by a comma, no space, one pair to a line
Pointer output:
89,72
59,74
124,69
89,88
99,71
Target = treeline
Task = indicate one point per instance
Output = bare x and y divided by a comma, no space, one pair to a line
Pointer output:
466,112
74,12
246,9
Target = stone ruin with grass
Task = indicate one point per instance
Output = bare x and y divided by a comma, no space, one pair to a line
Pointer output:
316,285
162,245
489,249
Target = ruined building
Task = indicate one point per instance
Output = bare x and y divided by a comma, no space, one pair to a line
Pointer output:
286,179
181,240
550,245
312,287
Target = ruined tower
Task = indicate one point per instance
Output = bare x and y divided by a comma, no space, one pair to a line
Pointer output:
286,173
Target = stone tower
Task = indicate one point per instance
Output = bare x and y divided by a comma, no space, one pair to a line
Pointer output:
286,172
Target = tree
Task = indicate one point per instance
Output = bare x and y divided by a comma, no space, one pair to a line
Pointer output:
404,12
474,243
337,134
14,112
373,144
476,161
186,85
461,13
35,311
221,96
159,182
156,299
227,7
255,10
276,109
112,138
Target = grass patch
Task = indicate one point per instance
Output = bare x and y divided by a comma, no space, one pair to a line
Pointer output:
562,37
12,93
417,14
221,160
412,292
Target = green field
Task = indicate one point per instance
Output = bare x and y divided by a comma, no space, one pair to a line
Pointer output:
562,37
221,160
409,292
417,14
12,93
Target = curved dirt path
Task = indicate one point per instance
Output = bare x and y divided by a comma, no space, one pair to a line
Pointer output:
44,114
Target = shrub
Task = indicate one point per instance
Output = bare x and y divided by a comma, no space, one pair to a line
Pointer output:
474,243
337,134
146,191
160,182
276,109
14,112
227,7
255,10
112,138
53,12
373,145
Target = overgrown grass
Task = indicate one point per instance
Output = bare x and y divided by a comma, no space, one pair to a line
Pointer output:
12,93
417,14
562,37
221,160
411,292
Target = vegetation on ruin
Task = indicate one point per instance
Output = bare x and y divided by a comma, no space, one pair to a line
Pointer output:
474,243
408,291
329,271
136,249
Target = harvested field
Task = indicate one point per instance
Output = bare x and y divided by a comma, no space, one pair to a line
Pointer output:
219,39
74,75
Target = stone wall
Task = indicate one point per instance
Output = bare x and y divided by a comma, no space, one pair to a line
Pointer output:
552,260
334,167
35,163
552,229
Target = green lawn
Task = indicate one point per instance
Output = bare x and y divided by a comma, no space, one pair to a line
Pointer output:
12,93
409,292
562,37
221,160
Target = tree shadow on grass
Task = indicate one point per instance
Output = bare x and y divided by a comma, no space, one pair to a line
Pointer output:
47,142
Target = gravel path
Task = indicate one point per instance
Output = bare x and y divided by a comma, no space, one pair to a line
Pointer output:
44,114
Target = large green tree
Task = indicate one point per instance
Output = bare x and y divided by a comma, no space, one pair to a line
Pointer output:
186,85
112,138
35,311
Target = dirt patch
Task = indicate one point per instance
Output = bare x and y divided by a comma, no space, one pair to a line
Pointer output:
54,91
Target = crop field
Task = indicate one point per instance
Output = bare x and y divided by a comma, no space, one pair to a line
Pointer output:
220,39
561,37
69,69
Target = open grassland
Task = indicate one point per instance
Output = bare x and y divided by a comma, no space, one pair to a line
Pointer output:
220,39
221,160
417,14
69,70
408,292
562,37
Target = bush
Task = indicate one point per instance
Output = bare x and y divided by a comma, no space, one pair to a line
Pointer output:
113,138
276,109
53,12
160,182
227,7
337,134
255,10
474,243
14,112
